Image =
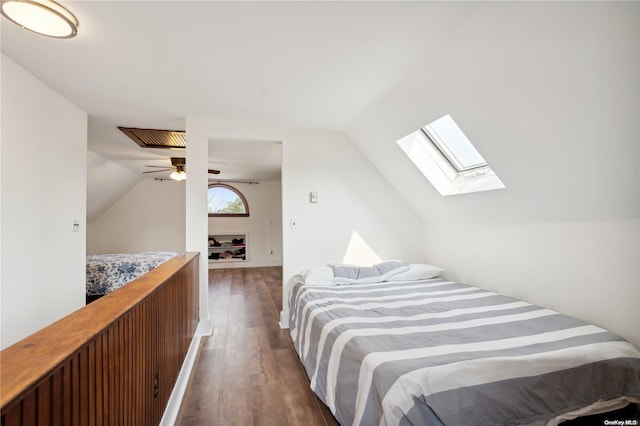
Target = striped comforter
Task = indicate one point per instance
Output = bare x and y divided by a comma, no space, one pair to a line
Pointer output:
440,352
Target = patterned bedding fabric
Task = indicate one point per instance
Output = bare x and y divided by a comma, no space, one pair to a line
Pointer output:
437,352
108,272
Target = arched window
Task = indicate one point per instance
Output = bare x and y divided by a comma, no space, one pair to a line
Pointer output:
226,201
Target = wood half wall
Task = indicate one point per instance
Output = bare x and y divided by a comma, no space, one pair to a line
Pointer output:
113,362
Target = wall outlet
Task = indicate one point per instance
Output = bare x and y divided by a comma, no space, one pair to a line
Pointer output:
293,224
313,197
76,225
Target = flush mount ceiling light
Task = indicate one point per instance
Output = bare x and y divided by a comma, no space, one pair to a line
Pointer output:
44,17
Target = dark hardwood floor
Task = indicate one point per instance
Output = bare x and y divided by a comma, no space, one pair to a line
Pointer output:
247,372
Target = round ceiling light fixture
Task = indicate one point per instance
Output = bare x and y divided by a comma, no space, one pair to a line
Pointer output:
44,17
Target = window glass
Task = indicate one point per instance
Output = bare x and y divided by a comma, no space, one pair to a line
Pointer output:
454,144
448,159
225,200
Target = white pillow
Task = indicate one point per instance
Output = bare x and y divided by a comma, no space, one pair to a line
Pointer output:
354,274
322,275
417,271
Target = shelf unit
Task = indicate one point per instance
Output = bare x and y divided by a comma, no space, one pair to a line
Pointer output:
227,248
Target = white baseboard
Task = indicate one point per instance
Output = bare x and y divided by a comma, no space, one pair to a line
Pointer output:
172,410
204,328
246,264
284,320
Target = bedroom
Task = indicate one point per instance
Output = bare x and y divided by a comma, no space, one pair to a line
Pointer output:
553,108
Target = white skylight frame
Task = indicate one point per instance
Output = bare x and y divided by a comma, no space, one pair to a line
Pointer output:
448,159
451,141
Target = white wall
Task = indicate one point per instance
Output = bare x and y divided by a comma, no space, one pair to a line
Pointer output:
355,202
264,224
44,145
548,93
196,210
584,269
150,217
107,182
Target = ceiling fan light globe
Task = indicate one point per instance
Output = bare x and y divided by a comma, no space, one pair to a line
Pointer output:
178,175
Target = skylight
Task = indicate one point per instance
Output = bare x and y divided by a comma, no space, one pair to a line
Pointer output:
448,159
454,144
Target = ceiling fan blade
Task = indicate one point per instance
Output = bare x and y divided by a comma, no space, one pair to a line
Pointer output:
159,167
213,171
156,171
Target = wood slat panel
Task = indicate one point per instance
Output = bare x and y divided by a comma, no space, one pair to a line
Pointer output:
97,366
44,403
12,415
83,389
92,392
29,406
56,400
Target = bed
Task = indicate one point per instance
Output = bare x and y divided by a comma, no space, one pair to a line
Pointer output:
433,352
108,272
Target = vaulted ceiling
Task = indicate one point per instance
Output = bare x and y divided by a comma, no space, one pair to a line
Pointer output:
151,64
521,78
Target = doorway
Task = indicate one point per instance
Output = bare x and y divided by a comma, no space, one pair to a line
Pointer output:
252,169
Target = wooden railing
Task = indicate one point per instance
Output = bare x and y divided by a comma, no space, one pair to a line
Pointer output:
113,362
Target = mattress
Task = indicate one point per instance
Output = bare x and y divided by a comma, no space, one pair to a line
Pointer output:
108,272
441,352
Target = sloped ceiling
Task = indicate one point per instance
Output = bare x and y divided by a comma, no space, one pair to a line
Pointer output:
549,92
150,64
107,181
311,64
376,70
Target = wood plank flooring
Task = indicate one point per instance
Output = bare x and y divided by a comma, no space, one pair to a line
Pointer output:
247,372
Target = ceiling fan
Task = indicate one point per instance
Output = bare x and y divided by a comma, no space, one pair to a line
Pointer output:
178,169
